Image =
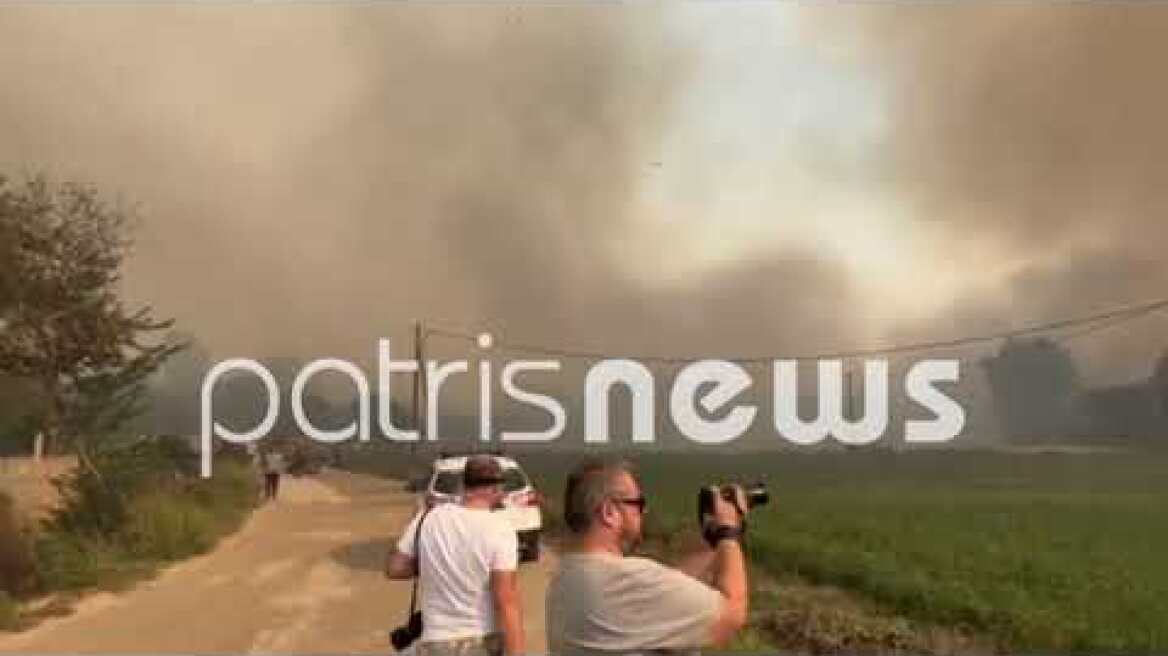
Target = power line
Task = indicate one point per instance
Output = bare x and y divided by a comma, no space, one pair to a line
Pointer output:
1093,328
1090,323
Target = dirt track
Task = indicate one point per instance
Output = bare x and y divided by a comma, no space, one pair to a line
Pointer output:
304,575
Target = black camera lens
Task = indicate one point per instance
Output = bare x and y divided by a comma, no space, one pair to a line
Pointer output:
757,495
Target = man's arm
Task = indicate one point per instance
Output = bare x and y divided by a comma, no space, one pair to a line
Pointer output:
698,562
730,580
729,573
402,562
400,566
505,591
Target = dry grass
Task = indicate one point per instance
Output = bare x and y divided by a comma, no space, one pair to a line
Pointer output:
799,617
30,483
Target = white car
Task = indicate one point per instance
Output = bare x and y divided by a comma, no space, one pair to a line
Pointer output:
521,504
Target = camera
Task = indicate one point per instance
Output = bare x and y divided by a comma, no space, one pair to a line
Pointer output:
404,636
756,495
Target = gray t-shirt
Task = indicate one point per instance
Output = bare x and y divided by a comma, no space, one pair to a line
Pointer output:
605,604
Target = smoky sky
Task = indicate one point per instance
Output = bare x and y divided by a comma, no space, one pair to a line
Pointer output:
310,178
1038,128
313,178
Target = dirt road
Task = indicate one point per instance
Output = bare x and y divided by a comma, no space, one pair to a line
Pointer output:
304,575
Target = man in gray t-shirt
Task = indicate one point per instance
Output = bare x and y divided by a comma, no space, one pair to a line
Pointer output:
603,601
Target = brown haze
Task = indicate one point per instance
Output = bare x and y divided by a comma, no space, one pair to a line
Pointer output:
312,178
1039,128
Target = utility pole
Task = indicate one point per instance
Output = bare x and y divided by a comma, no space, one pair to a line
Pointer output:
849,402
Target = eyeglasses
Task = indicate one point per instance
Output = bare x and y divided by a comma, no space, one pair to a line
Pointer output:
640,502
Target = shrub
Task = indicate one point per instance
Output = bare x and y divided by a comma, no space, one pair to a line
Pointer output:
17,564
66,562
95,501
9,612
230,494
164,527
17,435
146,506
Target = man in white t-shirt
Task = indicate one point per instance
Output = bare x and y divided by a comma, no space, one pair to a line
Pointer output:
469,587
273,466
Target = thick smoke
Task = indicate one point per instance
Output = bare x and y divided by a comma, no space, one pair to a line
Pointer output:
1038,129
312,178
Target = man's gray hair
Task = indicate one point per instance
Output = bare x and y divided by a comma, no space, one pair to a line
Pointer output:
589,485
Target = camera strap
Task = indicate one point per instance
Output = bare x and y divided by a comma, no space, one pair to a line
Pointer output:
418,560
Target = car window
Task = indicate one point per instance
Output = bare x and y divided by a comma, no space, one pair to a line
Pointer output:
447,482
514,479
450,482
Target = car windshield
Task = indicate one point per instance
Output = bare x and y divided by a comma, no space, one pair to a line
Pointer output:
450,482
513,479
447,482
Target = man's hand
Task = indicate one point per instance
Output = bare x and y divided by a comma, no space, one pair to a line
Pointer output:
400,566
729,568
728,513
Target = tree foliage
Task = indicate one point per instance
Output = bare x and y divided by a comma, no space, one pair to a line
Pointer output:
63,325
1035,384
1160,383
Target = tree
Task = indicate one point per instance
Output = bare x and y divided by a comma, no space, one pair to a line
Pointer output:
1035,384
16,406
63,326
1159,384
7,262
172,397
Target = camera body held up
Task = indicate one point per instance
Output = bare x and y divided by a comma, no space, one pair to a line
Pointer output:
755,495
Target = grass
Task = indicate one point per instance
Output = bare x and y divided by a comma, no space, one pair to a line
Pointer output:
9,612
793,615
159,525
1034,569
144,511
1033,552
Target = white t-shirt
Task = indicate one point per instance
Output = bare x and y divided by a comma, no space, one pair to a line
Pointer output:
274,463
460,548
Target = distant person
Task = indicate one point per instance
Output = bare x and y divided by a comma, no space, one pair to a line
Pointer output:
467,570
273,466
605,601
256,462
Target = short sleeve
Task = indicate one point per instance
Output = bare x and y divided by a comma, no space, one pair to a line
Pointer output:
504,556
405,543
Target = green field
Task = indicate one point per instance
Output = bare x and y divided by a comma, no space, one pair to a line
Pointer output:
1034,551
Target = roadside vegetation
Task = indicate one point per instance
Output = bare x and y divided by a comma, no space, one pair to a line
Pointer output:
76,360
145,509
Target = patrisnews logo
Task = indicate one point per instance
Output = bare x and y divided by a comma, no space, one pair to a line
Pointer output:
713,384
